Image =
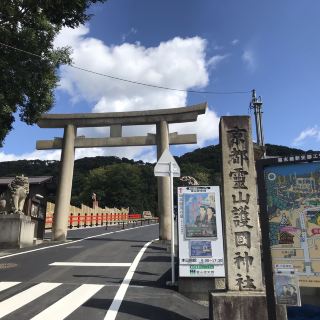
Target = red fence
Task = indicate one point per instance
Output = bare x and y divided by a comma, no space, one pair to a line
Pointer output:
98,219
133,216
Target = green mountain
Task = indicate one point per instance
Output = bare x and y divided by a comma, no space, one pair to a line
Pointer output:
128,183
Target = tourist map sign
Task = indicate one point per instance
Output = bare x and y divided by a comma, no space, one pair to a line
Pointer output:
293,208
200,232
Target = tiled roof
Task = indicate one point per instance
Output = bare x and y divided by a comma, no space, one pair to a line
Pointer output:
32,180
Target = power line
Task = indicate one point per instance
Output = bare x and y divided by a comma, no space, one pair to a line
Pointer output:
127,80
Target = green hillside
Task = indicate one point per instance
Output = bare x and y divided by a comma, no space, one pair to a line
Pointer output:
128,183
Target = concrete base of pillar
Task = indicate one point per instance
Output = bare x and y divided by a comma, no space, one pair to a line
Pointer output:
16,231
237,305
196,288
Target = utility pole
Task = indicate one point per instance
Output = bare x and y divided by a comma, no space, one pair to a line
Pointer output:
256,105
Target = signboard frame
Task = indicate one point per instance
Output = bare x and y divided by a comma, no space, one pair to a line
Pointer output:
261,166
202,253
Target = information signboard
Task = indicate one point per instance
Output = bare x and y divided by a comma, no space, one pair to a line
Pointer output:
200,232
290,201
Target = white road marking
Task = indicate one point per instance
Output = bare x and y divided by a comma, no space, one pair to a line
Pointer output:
69,303
19,300
7,285
72,242
116,303
90,264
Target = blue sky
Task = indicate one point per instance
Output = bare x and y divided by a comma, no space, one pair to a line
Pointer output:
271,46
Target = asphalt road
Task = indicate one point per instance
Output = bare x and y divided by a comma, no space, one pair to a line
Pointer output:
125,279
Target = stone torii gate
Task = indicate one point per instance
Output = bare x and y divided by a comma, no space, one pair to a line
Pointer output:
115,120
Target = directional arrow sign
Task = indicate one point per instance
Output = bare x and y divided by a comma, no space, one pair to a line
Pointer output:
162,168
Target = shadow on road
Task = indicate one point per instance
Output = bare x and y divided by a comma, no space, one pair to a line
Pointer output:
141,310
156,259
156,283
151,248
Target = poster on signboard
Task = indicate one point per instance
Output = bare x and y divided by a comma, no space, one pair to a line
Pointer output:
200,249
293,209
200,232
287,289
199,216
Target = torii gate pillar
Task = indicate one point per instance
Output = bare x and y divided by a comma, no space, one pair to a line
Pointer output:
60,221
164,206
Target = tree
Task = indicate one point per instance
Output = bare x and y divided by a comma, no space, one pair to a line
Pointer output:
122,185
27,81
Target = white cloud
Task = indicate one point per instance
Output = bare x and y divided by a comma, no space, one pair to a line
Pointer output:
37,154
234,42
177,63
206,128
68,36
313,132
125,36
215,60
249,60
136,153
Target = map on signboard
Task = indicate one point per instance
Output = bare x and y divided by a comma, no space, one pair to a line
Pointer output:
293,206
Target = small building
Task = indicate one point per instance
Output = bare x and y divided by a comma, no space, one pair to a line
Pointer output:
36,201
286,238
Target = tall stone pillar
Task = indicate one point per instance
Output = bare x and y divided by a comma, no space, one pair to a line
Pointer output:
245,298
163,185
61,212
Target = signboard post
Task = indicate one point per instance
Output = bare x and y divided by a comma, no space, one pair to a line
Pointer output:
168,167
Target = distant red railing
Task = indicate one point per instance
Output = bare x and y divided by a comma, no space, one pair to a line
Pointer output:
98,219
135,216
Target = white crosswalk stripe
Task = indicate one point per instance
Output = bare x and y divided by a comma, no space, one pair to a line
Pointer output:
58,310
65,306
21,299
7,285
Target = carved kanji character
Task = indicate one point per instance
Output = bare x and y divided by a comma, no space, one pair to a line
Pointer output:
240,200
239,178
241,216
238,156
243,238
245,260
236,136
